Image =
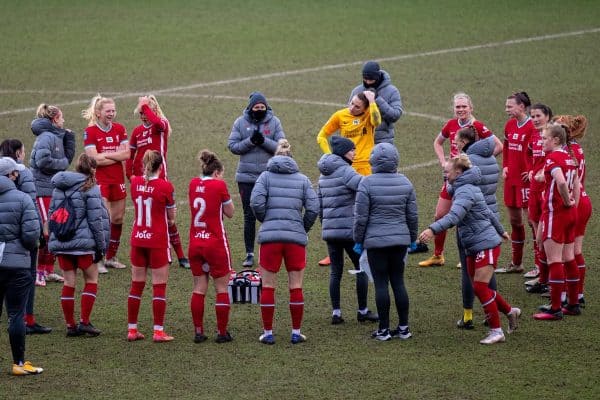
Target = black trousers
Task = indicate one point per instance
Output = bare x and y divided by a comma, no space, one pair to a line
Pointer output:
15,284
249,218
336,254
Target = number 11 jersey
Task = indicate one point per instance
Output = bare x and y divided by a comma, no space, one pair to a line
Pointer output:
151,200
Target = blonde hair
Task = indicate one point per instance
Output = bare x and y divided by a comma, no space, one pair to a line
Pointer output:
95,106
463,95
209,162
461,162
284,148
47,111
153,104
556,130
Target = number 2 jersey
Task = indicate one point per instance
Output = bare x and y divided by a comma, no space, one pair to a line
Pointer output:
151,200
207,197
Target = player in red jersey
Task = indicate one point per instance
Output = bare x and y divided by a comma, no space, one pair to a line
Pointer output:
516,163
209,253
106,141
152,134
557,224
540,114
463,117
154,211
576,127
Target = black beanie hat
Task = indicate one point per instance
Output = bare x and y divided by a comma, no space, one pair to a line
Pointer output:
340,145
256,98
371,70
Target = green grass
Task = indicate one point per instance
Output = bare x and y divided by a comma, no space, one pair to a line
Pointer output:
64,52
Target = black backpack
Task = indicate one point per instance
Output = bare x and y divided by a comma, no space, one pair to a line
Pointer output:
63,221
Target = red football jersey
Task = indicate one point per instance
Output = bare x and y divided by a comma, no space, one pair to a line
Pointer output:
206,198
578,153
516,156
538,160
107,142
151,200
557,159
452,126
144,138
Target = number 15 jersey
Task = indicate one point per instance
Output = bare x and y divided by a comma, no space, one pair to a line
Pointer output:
151,200
207,197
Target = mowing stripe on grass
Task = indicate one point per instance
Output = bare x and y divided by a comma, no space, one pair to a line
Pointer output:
324,67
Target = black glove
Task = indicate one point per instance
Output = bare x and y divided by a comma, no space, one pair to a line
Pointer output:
257,138
98,257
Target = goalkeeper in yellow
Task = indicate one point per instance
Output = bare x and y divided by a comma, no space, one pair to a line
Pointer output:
357,122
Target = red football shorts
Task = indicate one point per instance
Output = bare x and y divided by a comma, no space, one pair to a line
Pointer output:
584,212
516,196
215,261
534,205
559,225
147,257
43,205
444,192
483,259
272,254
69,262
113,191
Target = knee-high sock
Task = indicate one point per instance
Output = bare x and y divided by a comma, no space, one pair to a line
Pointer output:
115,240
544,269
222,310
197,307
438,242
581,267
175,240
133,302
159,305
556,280
67,302
88,297
296,307
487,298
572,281
518,241
267,307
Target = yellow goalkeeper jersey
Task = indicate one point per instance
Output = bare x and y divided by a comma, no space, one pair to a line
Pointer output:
360,129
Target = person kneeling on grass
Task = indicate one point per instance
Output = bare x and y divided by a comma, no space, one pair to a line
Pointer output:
385,223
279,196
481,234
87,247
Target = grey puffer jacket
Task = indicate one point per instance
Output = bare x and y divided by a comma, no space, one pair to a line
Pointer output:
390,106
26,184
385,213
337,189
478,227
19,226
49,154
481,154
279,196
92,217
253,158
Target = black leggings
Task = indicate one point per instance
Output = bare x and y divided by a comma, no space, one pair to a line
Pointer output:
249,218
387,266
336,254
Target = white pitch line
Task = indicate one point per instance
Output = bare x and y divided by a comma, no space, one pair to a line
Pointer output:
333,66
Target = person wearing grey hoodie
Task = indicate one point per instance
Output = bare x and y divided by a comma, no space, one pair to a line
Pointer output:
385,224
337,188
15,149
286,205
254,138
88,245
19,232
480,233
387,98
52,152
